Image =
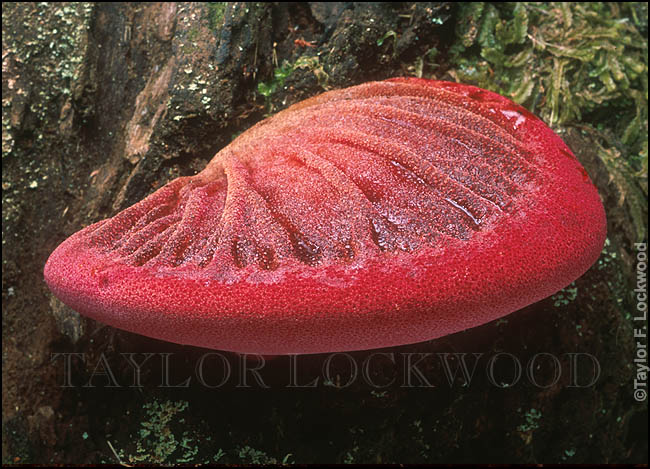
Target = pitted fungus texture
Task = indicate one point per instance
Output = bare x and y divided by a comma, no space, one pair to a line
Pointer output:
382,214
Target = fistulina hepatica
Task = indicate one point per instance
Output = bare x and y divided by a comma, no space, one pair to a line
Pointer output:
383,214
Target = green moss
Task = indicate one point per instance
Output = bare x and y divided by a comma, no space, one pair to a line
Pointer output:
216,11
624,175
280,75
532,418
193,34
580,55
580,64
156,443
248,455
568,453
392,34
168,436
254,456
565,296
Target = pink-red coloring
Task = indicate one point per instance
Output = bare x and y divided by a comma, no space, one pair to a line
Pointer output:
383,214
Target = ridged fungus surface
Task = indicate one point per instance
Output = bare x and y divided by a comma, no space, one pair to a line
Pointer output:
382,214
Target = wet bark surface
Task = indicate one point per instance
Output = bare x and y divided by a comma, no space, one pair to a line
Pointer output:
104,103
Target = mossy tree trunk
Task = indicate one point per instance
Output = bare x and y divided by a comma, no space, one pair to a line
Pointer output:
104,103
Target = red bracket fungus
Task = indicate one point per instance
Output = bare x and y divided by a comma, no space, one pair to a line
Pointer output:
382,214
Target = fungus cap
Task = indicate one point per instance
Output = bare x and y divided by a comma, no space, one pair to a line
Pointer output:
382,214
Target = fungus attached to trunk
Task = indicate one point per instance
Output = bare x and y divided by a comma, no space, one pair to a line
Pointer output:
382,214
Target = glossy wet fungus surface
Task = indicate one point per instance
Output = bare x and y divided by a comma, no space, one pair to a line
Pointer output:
382,214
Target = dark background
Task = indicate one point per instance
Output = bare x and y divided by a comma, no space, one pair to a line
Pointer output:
104,103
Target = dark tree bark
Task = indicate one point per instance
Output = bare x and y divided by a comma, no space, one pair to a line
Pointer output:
104,103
